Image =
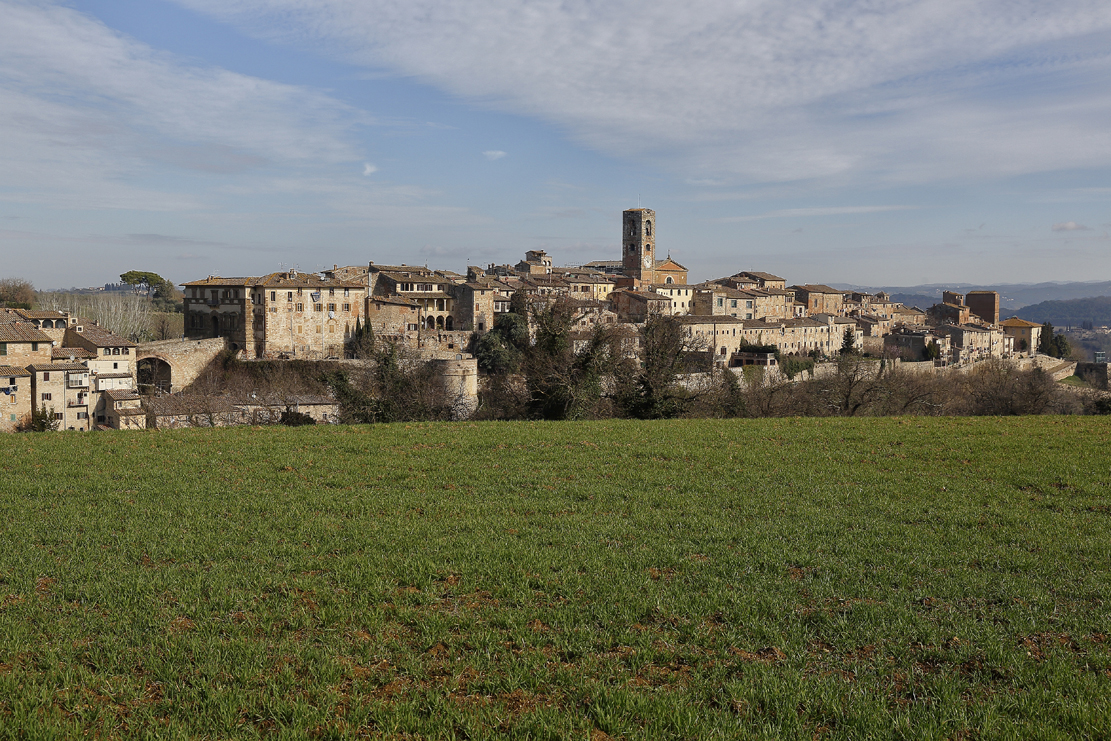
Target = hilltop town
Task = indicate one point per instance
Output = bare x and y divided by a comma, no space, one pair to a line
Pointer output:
82,376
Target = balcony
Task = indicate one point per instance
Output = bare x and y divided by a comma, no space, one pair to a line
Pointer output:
77,383
79,402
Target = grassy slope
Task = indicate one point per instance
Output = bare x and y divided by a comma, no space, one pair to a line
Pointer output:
778,578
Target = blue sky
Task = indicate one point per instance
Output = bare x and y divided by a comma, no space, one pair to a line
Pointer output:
876,142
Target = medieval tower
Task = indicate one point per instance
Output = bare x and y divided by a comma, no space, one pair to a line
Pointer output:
639,240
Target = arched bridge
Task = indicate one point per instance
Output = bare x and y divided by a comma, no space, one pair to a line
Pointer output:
171,365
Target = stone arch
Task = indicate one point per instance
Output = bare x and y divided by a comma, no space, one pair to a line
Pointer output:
430,323
449,324
439,322
669,280
155,372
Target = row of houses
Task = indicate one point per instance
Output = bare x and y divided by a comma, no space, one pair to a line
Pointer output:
77,372
290,314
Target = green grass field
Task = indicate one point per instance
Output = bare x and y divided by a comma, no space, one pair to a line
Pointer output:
792,578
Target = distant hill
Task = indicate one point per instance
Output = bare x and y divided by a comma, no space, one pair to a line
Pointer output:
1011,295
916,299
1069,313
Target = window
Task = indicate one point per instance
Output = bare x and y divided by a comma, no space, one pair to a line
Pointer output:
289,295
273,295
59,416
331,292
115,366
3,348
331,307
34,347
346,292
721,302
46,376
733,304
300,307
347,307
82,415
115,351
318,307
299,291
47,397
107,351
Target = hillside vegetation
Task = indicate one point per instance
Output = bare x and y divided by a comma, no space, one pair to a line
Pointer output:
1096,309
788,578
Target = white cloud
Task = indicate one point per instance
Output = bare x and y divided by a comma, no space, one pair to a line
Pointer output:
369,169
89,114
493,154
914,90
1070,226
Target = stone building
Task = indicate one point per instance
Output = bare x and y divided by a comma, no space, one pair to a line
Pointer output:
913,344
1025,335
819,299
62,389
15,397
984,304
286,314
638,239
21,343
763,280
638,306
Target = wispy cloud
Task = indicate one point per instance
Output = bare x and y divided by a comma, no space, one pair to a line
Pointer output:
90,113
789,213
918,90
1070,226
369,169
493,154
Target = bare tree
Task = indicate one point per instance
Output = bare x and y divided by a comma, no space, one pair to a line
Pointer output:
125,314
16,291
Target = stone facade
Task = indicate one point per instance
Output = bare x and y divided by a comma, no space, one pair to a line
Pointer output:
15,397
638,239
287,314
819,299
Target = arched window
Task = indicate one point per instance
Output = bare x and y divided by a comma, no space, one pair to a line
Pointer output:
449,325
648,228
669,280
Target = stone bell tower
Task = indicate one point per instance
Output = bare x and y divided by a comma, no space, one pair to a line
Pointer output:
639,244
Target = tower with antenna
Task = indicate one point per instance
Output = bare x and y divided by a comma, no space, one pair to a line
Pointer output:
638,241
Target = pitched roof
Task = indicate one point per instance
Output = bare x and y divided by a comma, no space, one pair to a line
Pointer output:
22,332
758,275
26,314
61,353
1016,322
47,367
668,264
8,371
305,280
101,337
122,394
215,280
817,288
